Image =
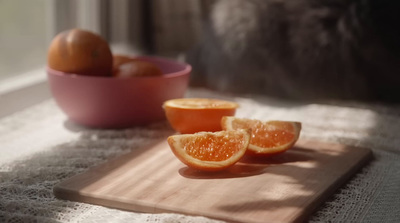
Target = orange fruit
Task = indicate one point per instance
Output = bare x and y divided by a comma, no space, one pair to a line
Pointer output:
190,115
80,52
210,151
137,68
119,59
268,138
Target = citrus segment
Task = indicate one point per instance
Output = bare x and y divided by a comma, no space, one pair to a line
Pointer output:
210,151
271,137
191,115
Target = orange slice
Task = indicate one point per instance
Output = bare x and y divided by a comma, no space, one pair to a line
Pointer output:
210,151
191,115
268,138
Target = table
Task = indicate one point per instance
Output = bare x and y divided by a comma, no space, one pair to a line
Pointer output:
39,147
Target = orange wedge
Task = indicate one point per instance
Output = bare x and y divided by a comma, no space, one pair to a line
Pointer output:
210,151
191,115
268,138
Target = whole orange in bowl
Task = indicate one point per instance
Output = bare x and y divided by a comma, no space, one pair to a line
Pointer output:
268,137
137,68
80,52
112,102
119,59
191,115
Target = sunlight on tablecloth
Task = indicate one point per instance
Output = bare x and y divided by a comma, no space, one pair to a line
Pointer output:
39,147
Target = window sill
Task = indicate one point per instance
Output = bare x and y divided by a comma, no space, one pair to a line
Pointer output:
22,91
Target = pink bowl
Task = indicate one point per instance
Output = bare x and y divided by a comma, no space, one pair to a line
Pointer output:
111,102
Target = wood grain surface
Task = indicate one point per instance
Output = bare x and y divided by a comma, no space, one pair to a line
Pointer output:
284,188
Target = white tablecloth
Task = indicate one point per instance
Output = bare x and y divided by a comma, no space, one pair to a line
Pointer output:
39,147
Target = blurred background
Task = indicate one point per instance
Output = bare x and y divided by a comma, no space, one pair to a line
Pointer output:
160,27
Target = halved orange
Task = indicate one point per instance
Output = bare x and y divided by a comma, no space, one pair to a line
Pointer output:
191,115
210,151
268,137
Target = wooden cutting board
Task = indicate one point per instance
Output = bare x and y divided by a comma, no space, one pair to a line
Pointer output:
285,188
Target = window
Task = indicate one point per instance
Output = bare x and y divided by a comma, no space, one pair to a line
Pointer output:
24,35
27,27
161,27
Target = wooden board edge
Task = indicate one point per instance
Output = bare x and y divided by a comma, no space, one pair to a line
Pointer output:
367,158
66,194
113,162
62,191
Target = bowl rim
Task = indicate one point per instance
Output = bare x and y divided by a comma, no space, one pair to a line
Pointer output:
187,69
